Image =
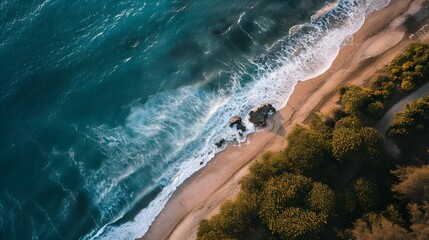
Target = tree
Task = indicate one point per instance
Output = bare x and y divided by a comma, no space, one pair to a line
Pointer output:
351,122
294,207
375,109
232,222
377,227
366,193
383,86
206,232
354,99
373,146
413,183
413,121
307,150
410,69
322,127
321,199
298,223
282,192
270,164
419,220
346,201
363,146
347,145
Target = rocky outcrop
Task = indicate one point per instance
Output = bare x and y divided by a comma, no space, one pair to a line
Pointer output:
259,115
220,143
237,122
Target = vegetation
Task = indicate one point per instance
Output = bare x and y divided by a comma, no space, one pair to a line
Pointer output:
389,224
335,173
307,152
414,182
407,71
412,122
411,68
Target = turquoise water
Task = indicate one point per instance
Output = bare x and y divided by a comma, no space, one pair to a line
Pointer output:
106,106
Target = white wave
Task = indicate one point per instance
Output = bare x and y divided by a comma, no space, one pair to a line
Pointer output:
375,5
305,54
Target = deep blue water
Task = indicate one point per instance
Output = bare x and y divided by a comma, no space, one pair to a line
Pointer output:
106,106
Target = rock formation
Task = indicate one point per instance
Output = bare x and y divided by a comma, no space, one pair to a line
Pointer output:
237,122
220,143
258,116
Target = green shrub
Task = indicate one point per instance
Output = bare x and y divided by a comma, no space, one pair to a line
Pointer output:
413,121
366,193
306,152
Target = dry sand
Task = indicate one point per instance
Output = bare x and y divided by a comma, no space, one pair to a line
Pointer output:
374,45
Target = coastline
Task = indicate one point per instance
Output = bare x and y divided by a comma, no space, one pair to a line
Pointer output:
199,197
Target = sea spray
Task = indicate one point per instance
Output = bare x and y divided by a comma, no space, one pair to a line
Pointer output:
306,53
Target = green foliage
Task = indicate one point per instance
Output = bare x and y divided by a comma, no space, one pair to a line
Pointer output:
362,146
280,193
297,223
347,145
338,113
351,122
419,220
409,69
322,127
414,182
294,207
347,201
354,99
375,109
378,226
373,149
321,199
413,121
363,101
366,193
375,226
359,198
207,232
307,151
232,222
269,165
382,86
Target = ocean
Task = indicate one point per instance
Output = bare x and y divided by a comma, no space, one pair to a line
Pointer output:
108,106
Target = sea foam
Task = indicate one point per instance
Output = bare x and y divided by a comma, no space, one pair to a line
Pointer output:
306,53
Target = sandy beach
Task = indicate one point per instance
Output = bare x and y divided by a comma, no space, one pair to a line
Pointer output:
381,38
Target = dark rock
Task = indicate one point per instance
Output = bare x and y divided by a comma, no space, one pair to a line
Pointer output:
220,143
241,127
259,115
237,122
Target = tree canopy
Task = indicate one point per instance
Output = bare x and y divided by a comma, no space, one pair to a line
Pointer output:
413,121
414,182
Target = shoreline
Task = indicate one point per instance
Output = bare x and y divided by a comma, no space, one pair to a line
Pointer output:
377,42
